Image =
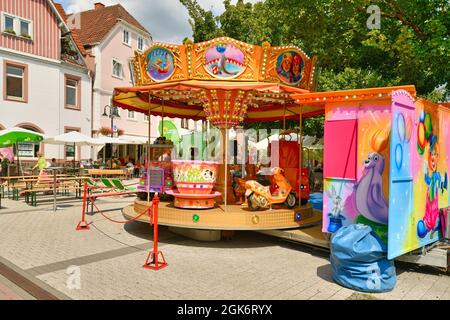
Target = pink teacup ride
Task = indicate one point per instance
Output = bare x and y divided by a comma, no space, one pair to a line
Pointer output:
194,181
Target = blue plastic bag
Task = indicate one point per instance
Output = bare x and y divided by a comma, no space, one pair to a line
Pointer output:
359,261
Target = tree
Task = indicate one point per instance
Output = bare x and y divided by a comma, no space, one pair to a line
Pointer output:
203,23
412,46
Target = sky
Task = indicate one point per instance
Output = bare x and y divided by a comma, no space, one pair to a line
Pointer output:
167,20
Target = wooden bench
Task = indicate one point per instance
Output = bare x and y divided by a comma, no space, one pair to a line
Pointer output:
31,194
11,182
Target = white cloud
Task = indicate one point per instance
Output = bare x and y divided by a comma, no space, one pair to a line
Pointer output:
167,20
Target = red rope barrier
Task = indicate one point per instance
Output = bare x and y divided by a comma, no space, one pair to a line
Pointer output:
153,262
126,221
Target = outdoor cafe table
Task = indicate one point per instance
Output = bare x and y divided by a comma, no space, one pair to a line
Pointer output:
12,179
55,170
55,180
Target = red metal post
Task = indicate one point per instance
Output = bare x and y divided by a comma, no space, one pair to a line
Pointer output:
155,202
82,225
152,261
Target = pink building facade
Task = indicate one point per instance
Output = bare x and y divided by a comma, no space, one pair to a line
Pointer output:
45,82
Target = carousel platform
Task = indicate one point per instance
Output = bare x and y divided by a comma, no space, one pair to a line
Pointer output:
235,218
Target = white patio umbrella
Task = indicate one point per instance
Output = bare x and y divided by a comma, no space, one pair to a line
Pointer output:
133,139
74,138
112,140
106,139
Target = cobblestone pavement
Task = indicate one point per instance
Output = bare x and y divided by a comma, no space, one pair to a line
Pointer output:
44,244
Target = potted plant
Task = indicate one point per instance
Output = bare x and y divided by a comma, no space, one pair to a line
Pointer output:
24,35
105,131
10,31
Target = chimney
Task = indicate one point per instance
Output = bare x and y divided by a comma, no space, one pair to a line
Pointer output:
98,5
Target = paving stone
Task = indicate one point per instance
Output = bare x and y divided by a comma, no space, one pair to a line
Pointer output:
110,257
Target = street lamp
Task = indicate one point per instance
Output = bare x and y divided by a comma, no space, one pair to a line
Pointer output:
113,113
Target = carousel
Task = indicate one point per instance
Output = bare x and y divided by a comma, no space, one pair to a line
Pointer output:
227,84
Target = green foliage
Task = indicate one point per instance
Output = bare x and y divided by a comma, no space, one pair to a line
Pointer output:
203,23
412,46
350,78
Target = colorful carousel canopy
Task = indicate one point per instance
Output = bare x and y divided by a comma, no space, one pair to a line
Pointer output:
223,80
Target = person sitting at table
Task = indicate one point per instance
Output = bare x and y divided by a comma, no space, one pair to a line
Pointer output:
3,165
130,167
87,163
116,164
53,163
137,169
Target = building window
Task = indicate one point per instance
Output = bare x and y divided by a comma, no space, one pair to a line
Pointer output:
72,93
70,151
25,28
16,26
140,44
126,37
117,69
131,115
131,68
15,81
8,24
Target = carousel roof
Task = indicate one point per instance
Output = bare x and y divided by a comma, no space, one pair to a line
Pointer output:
219,80
185,99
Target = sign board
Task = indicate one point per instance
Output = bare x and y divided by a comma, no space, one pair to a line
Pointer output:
26,149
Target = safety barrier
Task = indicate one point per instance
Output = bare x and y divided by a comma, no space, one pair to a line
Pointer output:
155,259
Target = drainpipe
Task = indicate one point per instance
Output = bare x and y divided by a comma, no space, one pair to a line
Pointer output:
92,76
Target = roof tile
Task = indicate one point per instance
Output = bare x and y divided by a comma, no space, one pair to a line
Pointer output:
96,23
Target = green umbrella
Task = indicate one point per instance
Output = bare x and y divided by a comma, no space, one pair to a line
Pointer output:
15,135
11,136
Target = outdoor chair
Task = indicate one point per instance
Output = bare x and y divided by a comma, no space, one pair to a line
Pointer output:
107,183
119,185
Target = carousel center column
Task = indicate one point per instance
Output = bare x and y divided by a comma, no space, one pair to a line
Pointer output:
225,109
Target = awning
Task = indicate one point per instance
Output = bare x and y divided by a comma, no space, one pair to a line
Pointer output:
185,99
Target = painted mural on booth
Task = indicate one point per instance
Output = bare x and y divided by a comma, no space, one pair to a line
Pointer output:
414,211
362,199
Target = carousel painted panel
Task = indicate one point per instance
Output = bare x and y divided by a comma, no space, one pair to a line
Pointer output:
224,59
159,63
416,223
288,65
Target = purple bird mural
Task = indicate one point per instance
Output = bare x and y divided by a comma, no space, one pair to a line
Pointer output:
370,200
